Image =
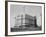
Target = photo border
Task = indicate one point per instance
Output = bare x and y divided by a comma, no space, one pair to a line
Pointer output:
6,18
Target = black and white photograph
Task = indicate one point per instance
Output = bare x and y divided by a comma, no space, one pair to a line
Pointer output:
25,18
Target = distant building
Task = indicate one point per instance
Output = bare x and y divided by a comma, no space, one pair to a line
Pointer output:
25,20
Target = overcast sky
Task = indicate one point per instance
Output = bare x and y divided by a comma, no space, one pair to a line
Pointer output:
28,9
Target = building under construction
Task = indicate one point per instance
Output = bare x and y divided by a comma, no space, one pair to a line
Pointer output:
25,22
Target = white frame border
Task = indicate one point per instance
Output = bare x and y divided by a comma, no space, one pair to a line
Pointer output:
27,32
